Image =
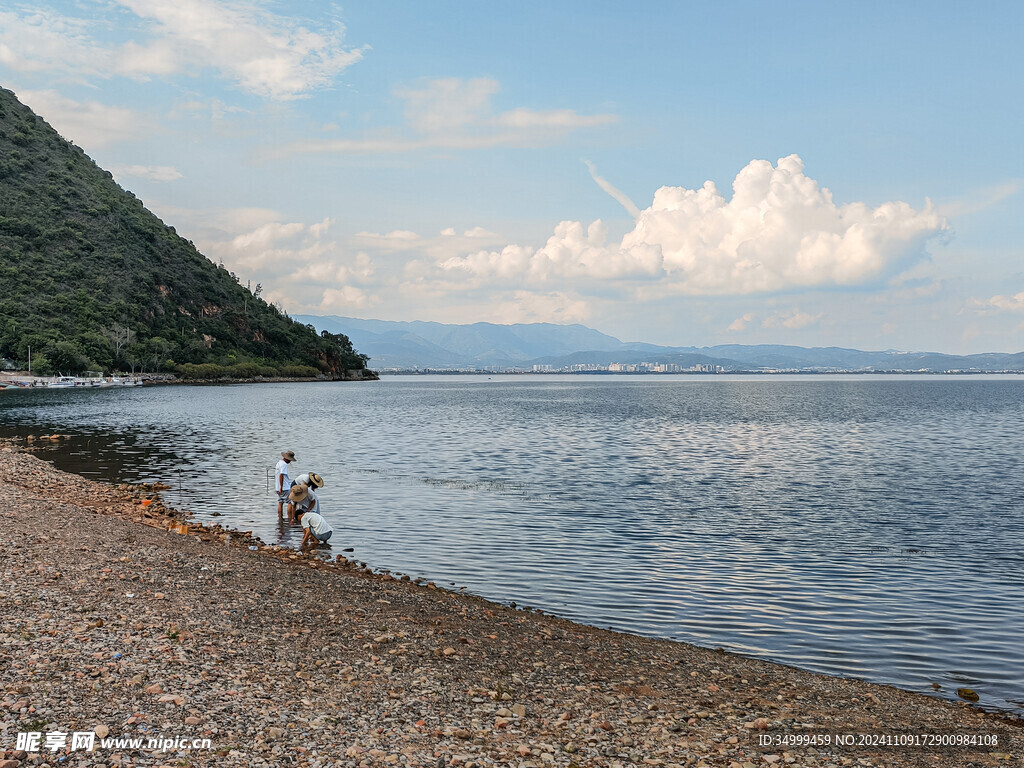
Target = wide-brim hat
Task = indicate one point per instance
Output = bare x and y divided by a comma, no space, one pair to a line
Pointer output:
298,493
288,455
316,480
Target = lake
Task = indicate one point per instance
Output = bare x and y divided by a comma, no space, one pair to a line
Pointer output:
864,526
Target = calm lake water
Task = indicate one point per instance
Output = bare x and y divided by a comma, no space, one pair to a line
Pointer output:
862,526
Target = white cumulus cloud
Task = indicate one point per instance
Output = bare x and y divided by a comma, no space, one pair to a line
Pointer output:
344,299
255,243
741,322
331,271
779,231
267,235
300,265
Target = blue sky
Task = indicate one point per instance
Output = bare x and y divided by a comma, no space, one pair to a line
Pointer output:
527,162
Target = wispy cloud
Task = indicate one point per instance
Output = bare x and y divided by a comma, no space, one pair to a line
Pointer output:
40,40
620,197
792,319
269,55
999,303
559,307
396,240
912,289
446,244
212,109
980,200
87,123
448,104
150,172
452,113
265,54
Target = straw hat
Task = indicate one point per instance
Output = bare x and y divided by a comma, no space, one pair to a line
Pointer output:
288,455
298,493
315,480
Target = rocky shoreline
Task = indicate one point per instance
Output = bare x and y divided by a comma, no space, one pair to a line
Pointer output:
149,379
123,620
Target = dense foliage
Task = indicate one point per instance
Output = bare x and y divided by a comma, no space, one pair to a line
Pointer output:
91,280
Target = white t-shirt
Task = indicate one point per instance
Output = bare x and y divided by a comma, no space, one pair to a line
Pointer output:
311,503
316,524
303,479
281,476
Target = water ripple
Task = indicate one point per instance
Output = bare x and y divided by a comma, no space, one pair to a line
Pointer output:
868,527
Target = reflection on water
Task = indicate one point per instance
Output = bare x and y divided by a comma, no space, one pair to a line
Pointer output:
859,526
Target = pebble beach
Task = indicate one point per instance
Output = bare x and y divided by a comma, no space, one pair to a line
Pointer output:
124,620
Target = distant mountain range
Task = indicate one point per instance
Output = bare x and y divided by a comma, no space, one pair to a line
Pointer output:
486,346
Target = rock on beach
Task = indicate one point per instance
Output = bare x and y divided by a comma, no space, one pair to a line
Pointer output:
280,659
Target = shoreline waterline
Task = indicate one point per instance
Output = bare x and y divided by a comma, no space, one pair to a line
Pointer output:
162,516
463,644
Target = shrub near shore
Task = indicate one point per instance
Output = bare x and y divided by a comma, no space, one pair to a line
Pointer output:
210,371
206,372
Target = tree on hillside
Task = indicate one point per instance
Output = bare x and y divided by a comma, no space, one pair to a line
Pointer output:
120,337
66,357
340,354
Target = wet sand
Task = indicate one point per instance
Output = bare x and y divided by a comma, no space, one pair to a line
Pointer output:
122,619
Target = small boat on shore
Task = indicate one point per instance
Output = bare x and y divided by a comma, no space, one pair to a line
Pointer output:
63,381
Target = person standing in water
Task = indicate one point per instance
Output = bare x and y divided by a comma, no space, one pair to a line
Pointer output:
282,484
311,480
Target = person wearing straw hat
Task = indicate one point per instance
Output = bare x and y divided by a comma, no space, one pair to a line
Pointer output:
282,485
303,498
309,479
307,512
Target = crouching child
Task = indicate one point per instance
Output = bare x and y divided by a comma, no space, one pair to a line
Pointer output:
315,530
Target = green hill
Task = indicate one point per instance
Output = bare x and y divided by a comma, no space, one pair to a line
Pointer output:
91,280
